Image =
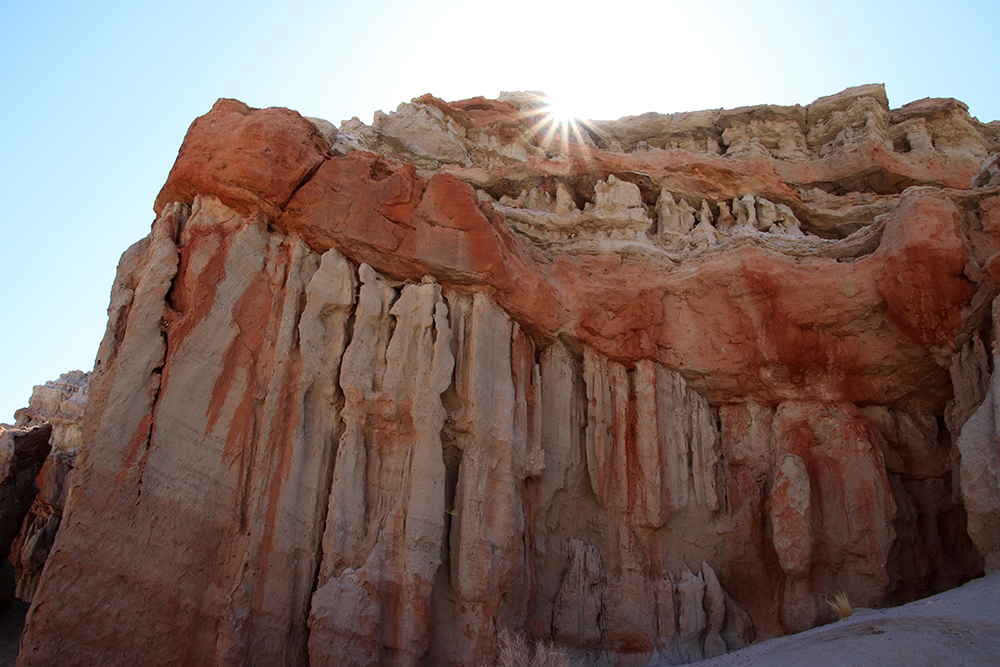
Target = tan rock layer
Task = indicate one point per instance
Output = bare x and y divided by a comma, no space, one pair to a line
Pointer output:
342,414
60,404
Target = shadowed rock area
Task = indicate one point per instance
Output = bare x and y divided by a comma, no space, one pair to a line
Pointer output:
960,627
650,389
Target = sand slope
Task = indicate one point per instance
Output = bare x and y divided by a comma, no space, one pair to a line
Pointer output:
958,627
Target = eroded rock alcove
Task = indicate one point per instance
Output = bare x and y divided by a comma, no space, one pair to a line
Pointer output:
649,388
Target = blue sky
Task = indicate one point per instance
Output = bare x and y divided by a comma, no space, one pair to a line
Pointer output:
97,98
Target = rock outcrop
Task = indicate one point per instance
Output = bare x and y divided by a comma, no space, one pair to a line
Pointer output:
22,453
649,388
59,404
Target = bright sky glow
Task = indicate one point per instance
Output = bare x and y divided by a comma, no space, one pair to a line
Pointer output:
97,97
559,112
557,125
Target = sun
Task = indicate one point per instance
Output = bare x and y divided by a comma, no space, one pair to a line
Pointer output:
558,127
559,112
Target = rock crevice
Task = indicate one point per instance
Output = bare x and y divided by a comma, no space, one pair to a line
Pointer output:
649,392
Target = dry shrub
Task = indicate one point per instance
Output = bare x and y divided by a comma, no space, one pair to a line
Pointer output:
548,654
840,605
514,650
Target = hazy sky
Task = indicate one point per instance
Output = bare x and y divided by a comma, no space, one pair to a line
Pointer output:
97,98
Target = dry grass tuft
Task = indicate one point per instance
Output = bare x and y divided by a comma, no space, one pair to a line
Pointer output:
549,655
514,650
840,605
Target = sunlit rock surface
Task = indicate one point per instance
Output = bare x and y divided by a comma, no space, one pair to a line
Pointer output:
650,388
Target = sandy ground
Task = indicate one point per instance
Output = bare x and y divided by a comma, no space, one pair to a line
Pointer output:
958,627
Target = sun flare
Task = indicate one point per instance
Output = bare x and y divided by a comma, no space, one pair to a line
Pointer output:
559,112
558,127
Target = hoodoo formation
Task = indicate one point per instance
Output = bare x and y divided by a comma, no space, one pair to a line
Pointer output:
648,388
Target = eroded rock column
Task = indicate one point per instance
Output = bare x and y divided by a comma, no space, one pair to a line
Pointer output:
385,526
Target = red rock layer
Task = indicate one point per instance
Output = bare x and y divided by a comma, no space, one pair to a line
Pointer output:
349,411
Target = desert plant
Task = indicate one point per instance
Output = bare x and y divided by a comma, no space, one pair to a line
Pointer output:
514,650
548,654
840,605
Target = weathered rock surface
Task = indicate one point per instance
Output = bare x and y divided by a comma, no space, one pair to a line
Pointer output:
60,404
22,454
649,388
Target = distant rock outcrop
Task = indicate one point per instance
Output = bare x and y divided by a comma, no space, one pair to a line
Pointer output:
60,404
649,388
22,453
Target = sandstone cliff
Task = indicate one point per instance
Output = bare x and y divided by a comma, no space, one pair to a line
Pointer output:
59,404
649,388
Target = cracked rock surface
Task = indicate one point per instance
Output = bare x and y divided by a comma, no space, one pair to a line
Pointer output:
651,389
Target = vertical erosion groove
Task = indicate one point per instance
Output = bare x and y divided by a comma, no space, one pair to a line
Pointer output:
325,330
165,253
305,480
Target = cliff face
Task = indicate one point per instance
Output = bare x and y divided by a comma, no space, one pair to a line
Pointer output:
648,387
60,404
